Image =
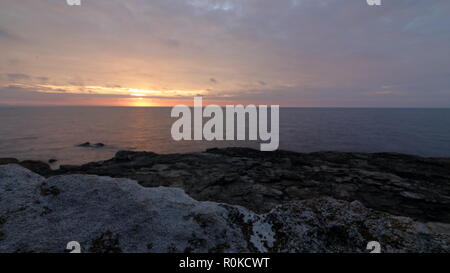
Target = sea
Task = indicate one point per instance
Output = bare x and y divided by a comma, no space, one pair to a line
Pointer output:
43,133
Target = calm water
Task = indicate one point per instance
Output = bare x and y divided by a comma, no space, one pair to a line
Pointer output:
42,133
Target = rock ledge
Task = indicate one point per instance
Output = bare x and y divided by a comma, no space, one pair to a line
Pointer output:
118,215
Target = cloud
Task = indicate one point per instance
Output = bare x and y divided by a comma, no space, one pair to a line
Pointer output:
172,43
23,78
6,35
21,95
42,79
18,77
332,52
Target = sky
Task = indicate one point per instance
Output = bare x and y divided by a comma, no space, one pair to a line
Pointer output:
293,53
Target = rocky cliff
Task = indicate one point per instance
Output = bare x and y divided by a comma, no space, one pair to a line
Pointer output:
398,184
106,214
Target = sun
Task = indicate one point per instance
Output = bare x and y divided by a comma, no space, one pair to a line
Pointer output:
142,93
140,102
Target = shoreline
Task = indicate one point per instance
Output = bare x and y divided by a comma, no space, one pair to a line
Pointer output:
260,201
54,164
406,185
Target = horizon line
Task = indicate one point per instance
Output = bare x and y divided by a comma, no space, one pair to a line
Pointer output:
305,107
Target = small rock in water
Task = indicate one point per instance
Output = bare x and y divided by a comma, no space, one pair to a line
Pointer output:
86,144
89,145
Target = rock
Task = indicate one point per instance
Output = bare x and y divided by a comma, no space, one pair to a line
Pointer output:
412,195
123,155
398,184
439,227
130,156
35,166
4,161
118,215
86,144
68,167
159,167
89,145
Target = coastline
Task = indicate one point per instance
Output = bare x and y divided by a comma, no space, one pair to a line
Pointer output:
410,189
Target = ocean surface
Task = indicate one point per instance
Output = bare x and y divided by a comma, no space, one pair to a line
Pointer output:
43,133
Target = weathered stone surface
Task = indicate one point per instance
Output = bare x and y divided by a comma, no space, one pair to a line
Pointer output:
33,165
8,160
395,183
118,215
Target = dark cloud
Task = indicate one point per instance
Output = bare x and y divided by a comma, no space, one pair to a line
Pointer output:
18,93
18,77
113,86
21,77
42,79
6,35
